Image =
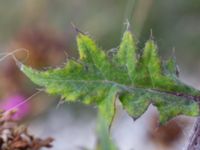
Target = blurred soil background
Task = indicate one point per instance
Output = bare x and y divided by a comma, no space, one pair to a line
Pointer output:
44,29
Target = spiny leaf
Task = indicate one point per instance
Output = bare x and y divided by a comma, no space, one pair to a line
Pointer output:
171,67
126,55
93,56
149,68
137,82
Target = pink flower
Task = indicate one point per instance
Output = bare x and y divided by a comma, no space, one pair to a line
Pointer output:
15,102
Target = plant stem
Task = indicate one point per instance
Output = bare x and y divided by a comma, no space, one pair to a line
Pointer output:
194,141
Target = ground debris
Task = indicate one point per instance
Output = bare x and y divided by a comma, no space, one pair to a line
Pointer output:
14,136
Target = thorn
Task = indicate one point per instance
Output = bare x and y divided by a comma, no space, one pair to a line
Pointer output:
41,89
174,54
12,54
174,59
61,102
127,24
77,31
177,71
18,63
151,35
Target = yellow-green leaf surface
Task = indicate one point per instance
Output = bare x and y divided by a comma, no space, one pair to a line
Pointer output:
136,81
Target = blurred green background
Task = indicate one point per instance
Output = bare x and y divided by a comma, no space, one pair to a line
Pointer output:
44,27
175,23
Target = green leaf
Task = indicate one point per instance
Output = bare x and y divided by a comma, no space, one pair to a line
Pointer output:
93,56
136,80
171,67
126,55
149,68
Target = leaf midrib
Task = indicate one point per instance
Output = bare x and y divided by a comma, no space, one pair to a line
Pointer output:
131,89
